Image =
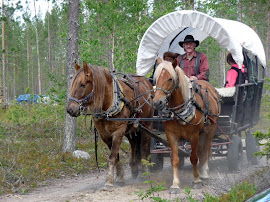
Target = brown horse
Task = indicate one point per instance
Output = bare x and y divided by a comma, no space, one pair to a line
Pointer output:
96,91
194,109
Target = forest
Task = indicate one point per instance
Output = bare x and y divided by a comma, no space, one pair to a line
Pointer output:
34,48
35,60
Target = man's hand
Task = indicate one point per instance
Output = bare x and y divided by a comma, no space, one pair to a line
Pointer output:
193,78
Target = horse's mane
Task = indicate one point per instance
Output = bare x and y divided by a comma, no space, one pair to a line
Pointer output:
176,73
99,81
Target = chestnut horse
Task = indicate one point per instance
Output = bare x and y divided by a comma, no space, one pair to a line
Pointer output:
96,91
194,107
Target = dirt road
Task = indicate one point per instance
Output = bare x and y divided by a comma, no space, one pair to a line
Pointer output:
87,188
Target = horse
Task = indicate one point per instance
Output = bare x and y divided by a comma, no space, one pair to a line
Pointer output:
96,91
194,108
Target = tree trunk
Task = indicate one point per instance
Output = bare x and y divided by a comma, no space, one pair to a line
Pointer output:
39,70
223,67
32,72
268,44
113,41
49,48
240,10
28,56
253,14
14,80
3,55
72,56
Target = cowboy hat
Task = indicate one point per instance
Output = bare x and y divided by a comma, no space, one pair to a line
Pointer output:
189,38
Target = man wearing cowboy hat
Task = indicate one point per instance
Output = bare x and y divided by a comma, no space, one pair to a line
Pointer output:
194,64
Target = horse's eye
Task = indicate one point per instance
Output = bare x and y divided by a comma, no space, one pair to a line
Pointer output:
83,85
170,79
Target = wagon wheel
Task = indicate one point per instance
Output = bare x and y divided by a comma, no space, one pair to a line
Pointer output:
157,159
235,153
252,146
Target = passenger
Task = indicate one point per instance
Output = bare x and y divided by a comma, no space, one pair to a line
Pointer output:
170,56
233,75
194,64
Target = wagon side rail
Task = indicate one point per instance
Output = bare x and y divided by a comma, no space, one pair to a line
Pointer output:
246,110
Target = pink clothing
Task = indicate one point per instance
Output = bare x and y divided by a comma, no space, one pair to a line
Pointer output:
232,75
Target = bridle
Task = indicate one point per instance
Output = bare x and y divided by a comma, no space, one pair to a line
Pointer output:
168,93
83,101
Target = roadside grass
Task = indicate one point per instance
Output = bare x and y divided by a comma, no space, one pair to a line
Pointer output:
31,139
239,192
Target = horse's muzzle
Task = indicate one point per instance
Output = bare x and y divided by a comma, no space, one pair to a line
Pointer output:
73,109
159,104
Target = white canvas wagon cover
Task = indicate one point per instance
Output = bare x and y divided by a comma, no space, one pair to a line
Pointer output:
165,33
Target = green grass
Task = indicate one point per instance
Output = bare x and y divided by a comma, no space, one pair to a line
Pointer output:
239,192
31,138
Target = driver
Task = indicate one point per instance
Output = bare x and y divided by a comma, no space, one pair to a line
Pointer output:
194,63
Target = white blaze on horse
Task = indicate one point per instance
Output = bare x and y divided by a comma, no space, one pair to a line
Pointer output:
195,109
97,91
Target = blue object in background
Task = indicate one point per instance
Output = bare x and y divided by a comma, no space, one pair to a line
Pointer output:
28,98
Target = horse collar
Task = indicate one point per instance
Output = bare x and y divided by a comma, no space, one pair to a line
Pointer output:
117,105
183,112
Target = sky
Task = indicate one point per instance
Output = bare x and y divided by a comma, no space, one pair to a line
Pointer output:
41,7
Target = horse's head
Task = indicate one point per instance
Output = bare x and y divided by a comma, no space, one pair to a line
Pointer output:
166,81
168,78
81,90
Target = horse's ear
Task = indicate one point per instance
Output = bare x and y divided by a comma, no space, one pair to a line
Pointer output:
159,60
85,68
76,66
86,71
174,63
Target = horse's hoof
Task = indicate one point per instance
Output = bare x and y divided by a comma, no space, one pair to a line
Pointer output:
120,183
174,190
135,175
197,185
205,181
107,187
141,177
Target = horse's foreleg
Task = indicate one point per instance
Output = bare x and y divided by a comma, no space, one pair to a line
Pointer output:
194,161
117,137
174,189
